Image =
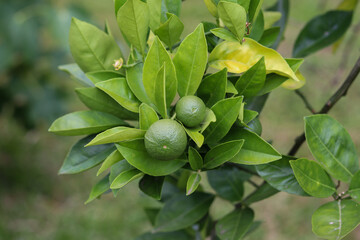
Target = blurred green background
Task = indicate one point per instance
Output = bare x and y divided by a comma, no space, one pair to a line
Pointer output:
36,203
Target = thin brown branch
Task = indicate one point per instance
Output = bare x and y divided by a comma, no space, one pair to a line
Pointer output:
341,92
306,102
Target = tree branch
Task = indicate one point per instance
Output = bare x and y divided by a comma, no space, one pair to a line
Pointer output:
341,92
306,102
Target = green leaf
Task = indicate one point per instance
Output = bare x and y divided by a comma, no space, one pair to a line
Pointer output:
97,100
234,17
192,183
84,122
133,20
113,158
117,134
211,39
134,76
99,189
226,112
228,183
216,81
170,31
119,4
190,61
225,34
235,224
313,178
249,115
209,118
257,28
222,153
252,81
281,6
270,18
354,188
332,146
119,90
194,134
183,211
159,9
230,88
152,186
125,177
103,75
116,170
136,154
280,175
263,192
80,159
321,32
76,73
148,116
156,58
195,159
179,235
270,36
255,149
254,9
334,220
91,48
160,92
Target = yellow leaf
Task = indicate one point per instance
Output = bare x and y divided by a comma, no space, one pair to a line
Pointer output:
238,58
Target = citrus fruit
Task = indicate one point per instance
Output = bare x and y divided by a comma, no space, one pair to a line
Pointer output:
165,140
190,110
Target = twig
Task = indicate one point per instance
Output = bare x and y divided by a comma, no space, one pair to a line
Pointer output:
341,92
306,102
253,183
338,184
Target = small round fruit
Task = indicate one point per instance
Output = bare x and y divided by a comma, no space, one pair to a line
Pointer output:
165,140
190,110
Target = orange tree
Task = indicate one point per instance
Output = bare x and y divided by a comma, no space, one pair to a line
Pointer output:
174,111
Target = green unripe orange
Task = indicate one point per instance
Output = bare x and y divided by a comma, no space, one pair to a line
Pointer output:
165,140
190,110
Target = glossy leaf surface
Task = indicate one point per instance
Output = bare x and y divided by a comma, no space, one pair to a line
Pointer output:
171,30
263,192
222,153
91,48
117,134
225,34
119,90
182,211
102,75
332,146
190,61
228,183
334,220
313,178
321,32
195,160
192,183
133,20
84,122
125,177
148,116
113,158
354,188
226,112
76,73
234,17
235,225
280,175
216,81
97,100
136,154
80,159
252,81
156,58
98,189
152,186
255,149
195,135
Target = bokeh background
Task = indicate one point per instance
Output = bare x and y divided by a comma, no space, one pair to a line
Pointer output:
37,204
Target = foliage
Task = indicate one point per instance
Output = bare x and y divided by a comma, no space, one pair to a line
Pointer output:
233,77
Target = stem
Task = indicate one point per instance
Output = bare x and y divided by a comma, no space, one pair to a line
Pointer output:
306,102
253,183
341,92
